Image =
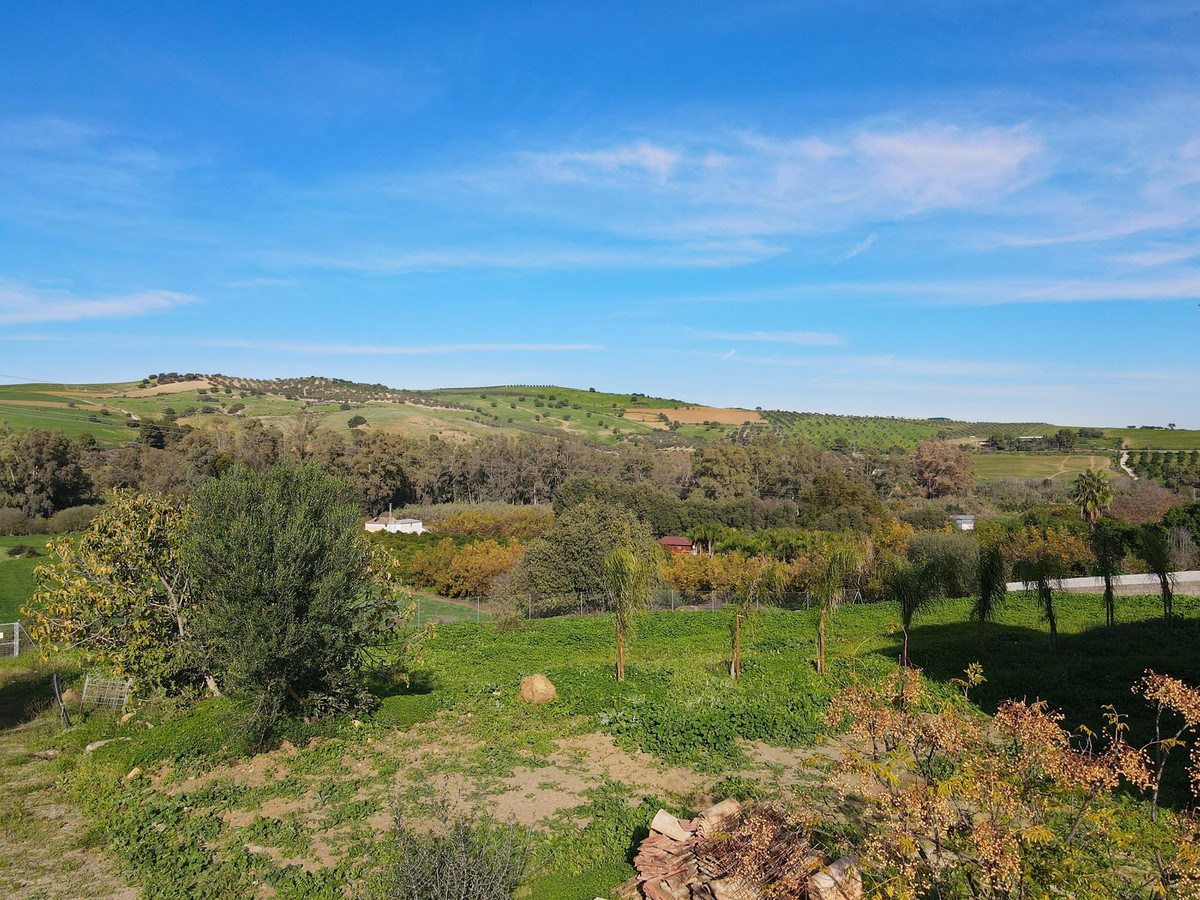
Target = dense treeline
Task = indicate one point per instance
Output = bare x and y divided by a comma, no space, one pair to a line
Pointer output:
753,479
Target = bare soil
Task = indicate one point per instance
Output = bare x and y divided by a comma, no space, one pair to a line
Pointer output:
176,387
45,853
698,415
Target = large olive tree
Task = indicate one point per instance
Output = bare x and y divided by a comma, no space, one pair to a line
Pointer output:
289,597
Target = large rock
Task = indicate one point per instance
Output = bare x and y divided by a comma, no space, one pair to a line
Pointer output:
71,697
840,881
537,689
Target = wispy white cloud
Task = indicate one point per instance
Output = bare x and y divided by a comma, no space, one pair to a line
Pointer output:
1156,256
1180,285
803,338
898,365
691,254
394,350
22,305
860,247
262,282
673,193
641,159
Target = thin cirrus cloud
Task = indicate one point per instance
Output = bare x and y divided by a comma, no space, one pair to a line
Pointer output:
800,338
697,187
395,350
861,247
21,305
1172,286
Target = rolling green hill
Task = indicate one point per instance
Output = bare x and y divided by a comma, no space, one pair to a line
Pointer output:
111,413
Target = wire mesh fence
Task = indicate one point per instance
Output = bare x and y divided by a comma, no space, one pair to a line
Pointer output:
14,639
111,693
584,604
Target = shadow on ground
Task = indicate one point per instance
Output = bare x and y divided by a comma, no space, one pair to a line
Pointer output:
1091,669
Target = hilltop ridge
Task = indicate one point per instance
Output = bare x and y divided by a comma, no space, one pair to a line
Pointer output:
111,411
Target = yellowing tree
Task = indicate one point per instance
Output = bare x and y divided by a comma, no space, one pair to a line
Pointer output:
121,592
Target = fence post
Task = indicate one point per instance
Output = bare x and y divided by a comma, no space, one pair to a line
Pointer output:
476,610
61,706
530,598
418,612
16,638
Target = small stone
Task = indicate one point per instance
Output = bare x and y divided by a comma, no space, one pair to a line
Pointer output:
537,689
129,715
133,773
356,723
96,745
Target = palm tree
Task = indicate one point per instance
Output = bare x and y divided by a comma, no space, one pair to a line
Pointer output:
764,589
1108,542
991,587
914,585
845,559
1154,546
630,580
1092,494
1042,574
707,534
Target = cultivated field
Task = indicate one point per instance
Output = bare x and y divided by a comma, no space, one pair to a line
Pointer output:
1040,465
1156,438
110,412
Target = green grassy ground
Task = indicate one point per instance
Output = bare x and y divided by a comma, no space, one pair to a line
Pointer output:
16,575
1156,438
431,608
459,727
1040,465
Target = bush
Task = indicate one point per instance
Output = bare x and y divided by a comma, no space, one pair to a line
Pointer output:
72,519
13,521
959,553
469,856
925,518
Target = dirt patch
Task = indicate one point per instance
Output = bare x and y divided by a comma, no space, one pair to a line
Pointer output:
175,387
41,841
48,404
698,415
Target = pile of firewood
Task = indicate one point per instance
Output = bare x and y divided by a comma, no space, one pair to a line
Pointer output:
726,853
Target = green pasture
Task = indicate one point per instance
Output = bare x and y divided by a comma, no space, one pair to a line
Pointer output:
1040,465
458,720
16,574
1156,438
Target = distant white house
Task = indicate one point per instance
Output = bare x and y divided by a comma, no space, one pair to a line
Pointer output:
964,523
395,526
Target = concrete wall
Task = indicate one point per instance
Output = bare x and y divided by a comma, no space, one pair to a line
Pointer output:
1187,583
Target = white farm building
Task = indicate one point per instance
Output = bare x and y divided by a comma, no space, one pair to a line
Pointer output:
395,526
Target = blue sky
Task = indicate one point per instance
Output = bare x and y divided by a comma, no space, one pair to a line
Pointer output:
985,210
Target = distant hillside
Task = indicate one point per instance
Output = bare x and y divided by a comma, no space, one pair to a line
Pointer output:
111,412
